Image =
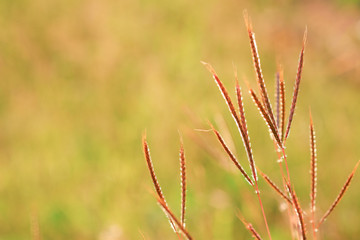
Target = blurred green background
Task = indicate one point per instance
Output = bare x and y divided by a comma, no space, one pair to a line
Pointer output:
81,81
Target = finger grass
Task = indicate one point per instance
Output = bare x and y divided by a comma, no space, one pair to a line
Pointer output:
279,130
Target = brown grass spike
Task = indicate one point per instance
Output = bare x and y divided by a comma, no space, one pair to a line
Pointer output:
183,182
298,211
224,93
241,110
296,86
282,103
151,168
280,98
255,234
249,227
257,67
240,105
277,99
232,157
313,171
153,176
275,187
236,117
245,139
242,114
266,117
340,195
173,218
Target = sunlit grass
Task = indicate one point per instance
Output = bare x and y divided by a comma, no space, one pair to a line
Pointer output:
80,81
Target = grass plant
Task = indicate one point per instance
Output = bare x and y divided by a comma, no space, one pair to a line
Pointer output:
279,130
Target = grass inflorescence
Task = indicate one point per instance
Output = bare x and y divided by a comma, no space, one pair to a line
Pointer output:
279,130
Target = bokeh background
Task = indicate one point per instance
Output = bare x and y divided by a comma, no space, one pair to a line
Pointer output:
81,81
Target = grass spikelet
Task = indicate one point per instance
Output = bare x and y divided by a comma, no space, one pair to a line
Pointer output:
297,85
151,168
225,94
279,132
272,127
173,218
243,122
232,157
240,105
281,126
313,171
244,136
183,182
298,211
275,187
241,110
340,195
277,99
153,175
257,67
249,227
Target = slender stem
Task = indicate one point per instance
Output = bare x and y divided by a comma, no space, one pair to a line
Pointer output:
262,209
313,226
177,233
279,155
286,164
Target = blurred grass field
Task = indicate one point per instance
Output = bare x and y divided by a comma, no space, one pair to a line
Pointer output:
81,81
